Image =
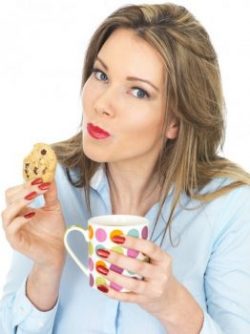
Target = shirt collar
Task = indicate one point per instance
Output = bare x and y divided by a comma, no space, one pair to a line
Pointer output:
99,179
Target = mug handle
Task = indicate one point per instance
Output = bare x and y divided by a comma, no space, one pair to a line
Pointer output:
70,251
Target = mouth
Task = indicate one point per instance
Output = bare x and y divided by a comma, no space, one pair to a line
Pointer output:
96,132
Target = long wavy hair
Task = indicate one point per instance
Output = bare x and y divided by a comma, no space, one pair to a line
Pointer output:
193,95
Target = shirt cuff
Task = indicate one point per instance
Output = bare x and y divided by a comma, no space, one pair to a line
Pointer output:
210,326
28,318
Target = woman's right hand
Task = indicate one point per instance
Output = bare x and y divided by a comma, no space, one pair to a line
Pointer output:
36,233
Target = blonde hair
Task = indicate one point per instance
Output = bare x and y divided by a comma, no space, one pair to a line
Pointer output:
193,95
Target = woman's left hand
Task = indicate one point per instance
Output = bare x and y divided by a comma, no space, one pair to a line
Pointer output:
156,291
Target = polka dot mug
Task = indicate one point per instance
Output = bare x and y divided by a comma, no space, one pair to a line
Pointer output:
101,230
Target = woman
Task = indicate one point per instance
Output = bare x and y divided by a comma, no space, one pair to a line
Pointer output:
152,125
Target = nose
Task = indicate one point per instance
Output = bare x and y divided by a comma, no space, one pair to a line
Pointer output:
104,104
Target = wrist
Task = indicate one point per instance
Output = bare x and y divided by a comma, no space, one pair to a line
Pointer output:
167,312
42,286
181,313
49,268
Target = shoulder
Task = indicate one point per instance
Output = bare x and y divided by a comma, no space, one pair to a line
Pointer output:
236,197
227,202
229,213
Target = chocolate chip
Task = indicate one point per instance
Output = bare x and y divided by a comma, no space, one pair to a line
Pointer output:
35,170
43,152
44,171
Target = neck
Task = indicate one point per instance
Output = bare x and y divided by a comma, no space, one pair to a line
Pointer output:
132,190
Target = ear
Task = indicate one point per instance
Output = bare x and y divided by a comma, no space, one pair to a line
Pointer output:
172,129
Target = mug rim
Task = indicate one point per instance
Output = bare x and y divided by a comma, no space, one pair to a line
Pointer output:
96,220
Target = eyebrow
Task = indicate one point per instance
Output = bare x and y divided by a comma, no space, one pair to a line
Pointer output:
130,78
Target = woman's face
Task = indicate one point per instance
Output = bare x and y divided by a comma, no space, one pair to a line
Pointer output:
123,102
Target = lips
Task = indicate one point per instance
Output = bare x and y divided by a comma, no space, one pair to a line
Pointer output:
96,132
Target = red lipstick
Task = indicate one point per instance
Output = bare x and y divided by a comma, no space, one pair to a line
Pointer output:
96,132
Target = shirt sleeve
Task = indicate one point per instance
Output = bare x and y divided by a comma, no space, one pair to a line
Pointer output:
17,314
210,326
227,278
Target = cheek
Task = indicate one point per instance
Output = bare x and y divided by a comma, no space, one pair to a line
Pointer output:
88,96
147,123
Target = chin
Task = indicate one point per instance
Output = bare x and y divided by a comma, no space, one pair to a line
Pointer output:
93,154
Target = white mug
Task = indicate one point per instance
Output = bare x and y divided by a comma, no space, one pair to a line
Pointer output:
101,230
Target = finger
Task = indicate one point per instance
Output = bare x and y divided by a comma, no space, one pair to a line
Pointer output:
10,193
26,210
50,196
129,297
14,193
140,291
119,281
146,247
17,224
139,267
14,209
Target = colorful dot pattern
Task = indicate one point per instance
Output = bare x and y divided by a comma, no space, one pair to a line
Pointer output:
90,264
116,269
91,280
91,248
118,249
91,232
100,238
132,253
100,263
116,233
100,281
101,235
115,286
133,233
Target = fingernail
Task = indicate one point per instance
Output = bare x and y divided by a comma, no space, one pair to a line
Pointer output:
118,239
102,270
29,215
37,181
44,186
103,288
102,253
30,196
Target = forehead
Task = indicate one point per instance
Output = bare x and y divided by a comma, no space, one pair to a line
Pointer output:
128,53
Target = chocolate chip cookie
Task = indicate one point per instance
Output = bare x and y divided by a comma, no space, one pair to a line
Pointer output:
40,163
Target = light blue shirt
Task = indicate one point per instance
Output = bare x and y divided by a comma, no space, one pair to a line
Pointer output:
211,258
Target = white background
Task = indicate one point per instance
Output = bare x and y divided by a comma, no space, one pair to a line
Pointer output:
42,44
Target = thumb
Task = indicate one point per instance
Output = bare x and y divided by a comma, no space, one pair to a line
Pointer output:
50,196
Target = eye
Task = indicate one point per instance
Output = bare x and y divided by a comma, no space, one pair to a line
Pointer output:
99,75
141,93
